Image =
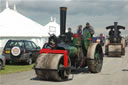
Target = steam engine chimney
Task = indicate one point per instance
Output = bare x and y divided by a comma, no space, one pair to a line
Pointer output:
63,11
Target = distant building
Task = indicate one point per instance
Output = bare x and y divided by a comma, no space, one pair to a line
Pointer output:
52,27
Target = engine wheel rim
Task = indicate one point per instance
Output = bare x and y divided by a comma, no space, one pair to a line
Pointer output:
96,57
98,60
64,73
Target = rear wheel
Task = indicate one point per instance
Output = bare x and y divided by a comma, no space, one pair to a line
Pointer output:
1,64
16,51
95,65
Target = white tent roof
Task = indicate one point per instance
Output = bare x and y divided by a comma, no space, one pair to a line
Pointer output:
54,27
13,24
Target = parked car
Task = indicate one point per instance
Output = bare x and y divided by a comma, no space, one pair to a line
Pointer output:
2,61
21,51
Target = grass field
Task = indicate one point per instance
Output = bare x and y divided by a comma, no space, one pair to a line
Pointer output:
15,68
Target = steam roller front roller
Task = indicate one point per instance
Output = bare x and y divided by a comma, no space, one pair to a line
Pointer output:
51,67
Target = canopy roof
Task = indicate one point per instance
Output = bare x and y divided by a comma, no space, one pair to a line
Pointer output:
13,24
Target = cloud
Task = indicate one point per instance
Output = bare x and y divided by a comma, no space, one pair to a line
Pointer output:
99,13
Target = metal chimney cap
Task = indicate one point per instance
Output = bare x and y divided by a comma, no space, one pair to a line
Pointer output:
115,22
63,8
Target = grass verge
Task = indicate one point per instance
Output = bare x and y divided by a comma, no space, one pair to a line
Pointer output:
15,68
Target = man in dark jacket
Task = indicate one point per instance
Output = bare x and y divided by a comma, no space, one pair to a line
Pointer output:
91,30
79,30
69,36
111,33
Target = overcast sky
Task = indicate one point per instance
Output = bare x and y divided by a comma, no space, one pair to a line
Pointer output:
100,13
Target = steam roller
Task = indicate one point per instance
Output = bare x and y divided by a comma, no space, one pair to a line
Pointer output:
59,55
115,43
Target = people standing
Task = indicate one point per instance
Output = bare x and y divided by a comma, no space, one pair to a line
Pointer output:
79,30
69,35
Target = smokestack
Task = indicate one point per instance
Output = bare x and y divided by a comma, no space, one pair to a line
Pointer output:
115,29
62,20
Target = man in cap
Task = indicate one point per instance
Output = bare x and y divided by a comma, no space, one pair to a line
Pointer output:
69,35
90,28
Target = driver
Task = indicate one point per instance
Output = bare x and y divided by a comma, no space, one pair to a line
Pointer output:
90,28
111,33
69,35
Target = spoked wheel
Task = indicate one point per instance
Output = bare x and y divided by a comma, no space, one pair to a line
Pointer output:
51,67
64,73
95,64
